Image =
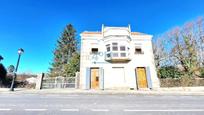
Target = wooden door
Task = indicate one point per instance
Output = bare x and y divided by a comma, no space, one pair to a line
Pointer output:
95,78
141,77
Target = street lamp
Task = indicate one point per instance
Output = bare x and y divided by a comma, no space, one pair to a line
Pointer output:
20,51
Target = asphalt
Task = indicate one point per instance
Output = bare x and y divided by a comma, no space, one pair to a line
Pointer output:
96,104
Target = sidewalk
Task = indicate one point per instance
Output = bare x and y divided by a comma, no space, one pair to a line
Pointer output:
160,91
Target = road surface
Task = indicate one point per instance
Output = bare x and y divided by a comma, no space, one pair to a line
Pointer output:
82,104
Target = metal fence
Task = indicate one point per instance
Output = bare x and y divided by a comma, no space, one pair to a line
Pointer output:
58,82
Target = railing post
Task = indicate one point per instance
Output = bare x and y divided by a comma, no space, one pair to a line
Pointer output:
39,81
77,80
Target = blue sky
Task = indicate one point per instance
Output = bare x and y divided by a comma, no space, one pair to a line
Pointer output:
35,25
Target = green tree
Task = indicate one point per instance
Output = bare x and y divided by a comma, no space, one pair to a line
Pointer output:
65,49
3,72
73,66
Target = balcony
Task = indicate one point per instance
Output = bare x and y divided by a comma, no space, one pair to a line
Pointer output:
117,52
117,56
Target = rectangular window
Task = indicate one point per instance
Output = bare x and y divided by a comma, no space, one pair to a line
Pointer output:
108,55
123,54
94,50
138,51
115,46
115,54
108,47
122,48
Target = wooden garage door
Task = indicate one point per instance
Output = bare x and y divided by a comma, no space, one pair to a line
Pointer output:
94,78
141,77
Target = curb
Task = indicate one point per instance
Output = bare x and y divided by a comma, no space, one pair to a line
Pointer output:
101,92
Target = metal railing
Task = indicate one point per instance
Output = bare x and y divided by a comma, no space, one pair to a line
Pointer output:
58,82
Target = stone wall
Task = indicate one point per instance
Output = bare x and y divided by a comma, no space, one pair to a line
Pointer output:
183,82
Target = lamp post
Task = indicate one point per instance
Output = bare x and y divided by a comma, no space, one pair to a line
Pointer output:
20,51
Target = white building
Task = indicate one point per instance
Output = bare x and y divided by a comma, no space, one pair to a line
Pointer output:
117,58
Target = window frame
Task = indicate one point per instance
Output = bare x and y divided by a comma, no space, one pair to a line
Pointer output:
114,46
123,47
94,52
117,50
114,54
108,47
140,51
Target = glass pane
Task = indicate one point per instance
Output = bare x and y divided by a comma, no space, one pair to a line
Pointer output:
138,50
122,48
115,54
115,43
115,48
108,48
123,54
108,55
94,50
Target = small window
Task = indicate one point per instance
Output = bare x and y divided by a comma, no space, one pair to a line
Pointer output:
108,47
138,51
115,54
115,48
108,55
94,50
122,48
123,54
97,78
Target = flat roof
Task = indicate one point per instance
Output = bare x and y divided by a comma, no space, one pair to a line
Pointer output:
92,32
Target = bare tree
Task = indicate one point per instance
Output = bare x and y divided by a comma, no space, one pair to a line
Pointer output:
184,47
200,40
160,56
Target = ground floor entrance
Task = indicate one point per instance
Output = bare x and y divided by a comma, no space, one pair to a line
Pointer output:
141,77
119,76
94,78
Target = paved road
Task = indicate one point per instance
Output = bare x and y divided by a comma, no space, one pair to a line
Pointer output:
71,104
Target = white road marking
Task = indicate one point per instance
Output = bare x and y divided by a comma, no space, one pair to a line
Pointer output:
164,110
35,109
5,109
69,109
59,97
99,110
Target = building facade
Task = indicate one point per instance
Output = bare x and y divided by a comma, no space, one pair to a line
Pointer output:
116,58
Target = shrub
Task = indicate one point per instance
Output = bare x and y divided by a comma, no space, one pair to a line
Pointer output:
169,72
